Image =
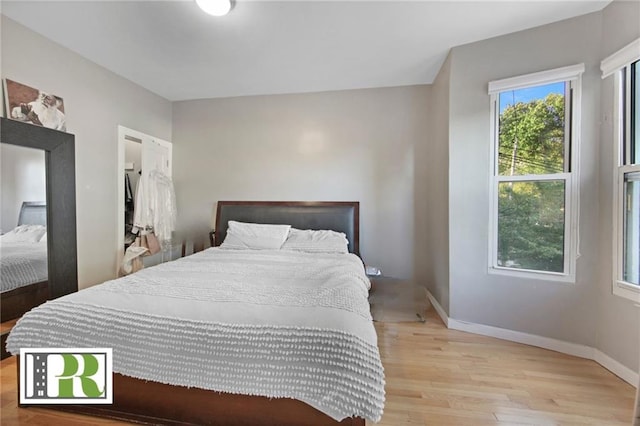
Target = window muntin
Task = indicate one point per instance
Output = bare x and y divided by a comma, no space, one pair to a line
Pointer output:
535,118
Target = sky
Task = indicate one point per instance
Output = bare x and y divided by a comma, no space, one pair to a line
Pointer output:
511,97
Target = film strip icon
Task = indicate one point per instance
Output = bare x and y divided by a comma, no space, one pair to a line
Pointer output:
40,375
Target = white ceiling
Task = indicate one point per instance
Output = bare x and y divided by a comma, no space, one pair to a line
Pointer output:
177,51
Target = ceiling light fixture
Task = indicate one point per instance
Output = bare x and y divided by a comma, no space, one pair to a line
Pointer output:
215,7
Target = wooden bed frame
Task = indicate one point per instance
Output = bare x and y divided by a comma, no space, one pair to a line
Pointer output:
14,303
146,402
143,401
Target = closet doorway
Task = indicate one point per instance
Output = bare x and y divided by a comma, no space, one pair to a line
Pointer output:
138,153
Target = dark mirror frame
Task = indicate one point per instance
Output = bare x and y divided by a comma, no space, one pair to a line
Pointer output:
59,148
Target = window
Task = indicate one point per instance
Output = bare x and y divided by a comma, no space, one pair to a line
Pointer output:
534,142
624,65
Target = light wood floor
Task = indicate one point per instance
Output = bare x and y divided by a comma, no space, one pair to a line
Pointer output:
443,377
437,376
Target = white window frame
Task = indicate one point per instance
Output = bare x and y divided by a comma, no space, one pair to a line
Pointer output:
572,75
618,65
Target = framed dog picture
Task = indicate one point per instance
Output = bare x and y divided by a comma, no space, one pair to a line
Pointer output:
24,103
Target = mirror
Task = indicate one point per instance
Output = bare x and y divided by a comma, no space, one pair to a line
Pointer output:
23,221
60,196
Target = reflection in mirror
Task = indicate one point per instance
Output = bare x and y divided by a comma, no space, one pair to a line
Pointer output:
23,220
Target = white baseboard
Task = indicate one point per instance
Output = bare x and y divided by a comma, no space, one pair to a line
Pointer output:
561,346
625,373
574,349
438,308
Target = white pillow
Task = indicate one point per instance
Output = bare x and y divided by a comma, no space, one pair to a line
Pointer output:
24,234
255,236
323,241
44,238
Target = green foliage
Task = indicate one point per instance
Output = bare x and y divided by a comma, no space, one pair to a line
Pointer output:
531,213
531,225
531,139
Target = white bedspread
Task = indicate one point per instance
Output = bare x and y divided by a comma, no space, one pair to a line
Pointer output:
271,323
22,263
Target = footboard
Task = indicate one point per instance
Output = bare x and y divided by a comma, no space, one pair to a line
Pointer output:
156,403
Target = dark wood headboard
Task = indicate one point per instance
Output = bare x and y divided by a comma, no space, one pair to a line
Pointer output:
340,216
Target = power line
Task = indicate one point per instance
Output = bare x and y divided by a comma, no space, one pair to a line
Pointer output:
530,162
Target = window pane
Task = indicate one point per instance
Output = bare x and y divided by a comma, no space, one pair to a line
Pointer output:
634,155
531,225
632,227
532,130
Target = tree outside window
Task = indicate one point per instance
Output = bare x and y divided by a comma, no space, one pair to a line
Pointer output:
534,196
532,172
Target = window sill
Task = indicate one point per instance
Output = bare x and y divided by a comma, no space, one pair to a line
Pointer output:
536,275
627,290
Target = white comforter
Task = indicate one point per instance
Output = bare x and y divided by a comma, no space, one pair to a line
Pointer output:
22,263
271,323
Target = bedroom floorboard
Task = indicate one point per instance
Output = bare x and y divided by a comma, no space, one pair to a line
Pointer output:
437,376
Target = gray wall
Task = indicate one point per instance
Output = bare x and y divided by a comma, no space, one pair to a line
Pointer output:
434,262
546,308
618,325
22,178
96,101
585,312
347,145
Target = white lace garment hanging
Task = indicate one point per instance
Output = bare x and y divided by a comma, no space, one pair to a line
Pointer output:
156,205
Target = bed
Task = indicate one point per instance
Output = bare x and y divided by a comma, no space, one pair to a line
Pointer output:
286,338
24,266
